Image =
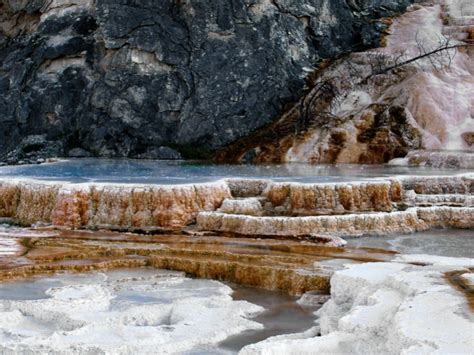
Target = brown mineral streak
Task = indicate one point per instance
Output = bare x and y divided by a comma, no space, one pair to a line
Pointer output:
455,279
313,199
86,206
218,258
290,266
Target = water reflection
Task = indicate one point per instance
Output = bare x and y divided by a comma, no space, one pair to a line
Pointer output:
441,242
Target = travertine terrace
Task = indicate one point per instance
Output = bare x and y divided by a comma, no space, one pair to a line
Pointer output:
107,206
248,207
291,266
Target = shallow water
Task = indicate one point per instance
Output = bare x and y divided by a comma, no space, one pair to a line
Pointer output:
282,315
122,311
126,297
169,172
440,242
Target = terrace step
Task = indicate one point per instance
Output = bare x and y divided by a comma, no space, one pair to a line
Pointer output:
454,200
375,223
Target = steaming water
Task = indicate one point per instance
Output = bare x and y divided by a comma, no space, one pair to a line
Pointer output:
165,172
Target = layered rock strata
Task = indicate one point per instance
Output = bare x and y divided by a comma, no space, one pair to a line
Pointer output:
291,266
441,159
346,225
350,209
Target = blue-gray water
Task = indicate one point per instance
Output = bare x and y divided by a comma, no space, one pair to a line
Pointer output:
440,242
168,172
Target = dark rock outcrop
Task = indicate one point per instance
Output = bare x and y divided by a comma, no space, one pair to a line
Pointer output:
124,77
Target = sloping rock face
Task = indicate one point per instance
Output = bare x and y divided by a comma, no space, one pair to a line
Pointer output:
123,78
374,106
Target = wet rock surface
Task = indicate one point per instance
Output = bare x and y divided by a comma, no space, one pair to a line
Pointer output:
294,267
123,78
441,159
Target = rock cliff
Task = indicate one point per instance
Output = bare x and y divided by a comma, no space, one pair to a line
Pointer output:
134,78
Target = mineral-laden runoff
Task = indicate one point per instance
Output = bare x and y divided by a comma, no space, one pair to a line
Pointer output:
369,108
292,266
248,207
388,308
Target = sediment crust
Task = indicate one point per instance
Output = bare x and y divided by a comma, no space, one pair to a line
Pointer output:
340,225
411,309
429,185
291,266
453,217
453,200
108,206
334,198
247,207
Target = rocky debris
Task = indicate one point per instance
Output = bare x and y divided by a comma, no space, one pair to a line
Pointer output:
441,159
120,78
79,153
161,153
33,149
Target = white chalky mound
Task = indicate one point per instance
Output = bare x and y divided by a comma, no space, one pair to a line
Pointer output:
164,313
387,308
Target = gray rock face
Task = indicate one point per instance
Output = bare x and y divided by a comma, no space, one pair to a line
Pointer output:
121,77
162,153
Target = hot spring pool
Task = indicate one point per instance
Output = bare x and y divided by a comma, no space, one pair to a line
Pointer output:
181,172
